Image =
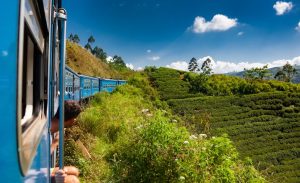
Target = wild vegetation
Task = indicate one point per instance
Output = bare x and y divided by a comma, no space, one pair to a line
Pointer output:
92,60
260,116
131,136
84,62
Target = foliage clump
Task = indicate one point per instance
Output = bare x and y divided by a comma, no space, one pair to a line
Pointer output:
257,73
162,152
286,73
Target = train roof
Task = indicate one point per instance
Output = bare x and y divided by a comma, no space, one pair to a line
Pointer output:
85,76
71,70
109,79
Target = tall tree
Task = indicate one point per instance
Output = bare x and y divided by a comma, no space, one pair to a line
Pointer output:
76,39
287,73
91,40
290,71
71,37
118,61
257,73
280,76
193,65
206,67
99,53
88,47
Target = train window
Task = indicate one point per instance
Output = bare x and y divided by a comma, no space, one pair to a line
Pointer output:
32,83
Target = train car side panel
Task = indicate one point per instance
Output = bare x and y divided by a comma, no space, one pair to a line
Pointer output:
108,85
76,88
69,84
8,87
23,72
72,85
95,86
85,87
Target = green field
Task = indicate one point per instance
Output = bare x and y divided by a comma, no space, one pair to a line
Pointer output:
264,127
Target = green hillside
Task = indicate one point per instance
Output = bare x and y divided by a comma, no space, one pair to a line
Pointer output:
261,117
169,83
264,127
144,142
83,62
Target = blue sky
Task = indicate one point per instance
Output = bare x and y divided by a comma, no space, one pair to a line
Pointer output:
171,32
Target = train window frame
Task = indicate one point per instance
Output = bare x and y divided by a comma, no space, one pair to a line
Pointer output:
32,47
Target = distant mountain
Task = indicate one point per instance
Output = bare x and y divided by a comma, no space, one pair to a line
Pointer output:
273,70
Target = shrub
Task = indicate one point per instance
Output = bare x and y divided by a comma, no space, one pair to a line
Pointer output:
162,152
109,115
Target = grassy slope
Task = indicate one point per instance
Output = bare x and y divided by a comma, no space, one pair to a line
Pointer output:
169,83
138,145
82,61
265,127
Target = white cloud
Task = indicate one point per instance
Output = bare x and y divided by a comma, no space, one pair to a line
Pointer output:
130,66
240,33
218,23
139,69
149,51
4,53
227,66
109,59
298,27
154,58
179,65
282,7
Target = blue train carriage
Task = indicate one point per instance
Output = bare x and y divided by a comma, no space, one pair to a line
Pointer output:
85,86
121,82
72,85
95,85
108,85
29,60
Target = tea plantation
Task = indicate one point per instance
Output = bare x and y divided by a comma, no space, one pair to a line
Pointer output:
264,127
261,117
